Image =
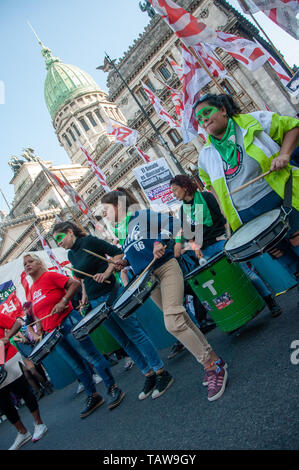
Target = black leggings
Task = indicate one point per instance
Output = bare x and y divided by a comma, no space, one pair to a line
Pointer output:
20,388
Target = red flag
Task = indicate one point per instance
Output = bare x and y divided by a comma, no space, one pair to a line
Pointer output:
122,134
101,177
194,79
282,12
50,253
189,29
76,198
178,70
159,108
144,157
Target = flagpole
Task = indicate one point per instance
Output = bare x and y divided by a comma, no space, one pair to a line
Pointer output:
201,63
164,143
247,9
75,218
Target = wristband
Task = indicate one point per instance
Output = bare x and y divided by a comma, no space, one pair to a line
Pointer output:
65,300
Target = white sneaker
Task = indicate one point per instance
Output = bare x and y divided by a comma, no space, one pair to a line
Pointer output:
39,431
97,379
21,439
80,388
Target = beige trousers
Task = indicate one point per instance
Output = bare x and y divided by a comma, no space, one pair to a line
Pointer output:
169,297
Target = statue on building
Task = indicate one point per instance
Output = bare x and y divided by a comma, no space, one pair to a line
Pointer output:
28,154
15,163
146,6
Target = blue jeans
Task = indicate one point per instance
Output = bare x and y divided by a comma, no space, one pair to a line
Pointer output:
290,258
76,353
255,279
132,338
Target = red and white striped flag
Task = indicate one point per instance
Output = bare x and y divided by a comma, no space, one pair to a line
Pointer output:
280,72
247,52
144,157
50,253
194,79
205,52
159,108
193,32
122,134
75,197
178,70
282,12
177,99
101,177
189,29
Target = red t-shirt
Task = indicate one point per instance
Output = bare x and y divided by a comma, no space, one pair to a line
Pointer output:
46,292
6,323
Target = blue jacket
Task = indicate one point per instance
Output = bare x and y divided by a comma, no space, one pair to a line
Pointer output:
144,229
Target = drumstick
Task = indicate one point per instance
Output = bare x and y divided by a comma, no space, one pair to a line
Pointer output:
99,256
82,272
40,319
250,182
142,274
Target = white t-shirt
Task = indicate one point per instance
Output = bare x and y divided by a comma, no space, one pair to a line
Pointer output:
246,169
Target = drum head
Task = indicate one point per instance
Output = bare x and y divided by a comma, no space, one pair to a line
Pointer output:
85,320
210,262
41,344
249,231
129,291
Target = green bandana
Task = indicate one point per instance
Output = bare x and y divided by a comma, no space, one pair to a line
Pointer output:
227,146
120,229
193,210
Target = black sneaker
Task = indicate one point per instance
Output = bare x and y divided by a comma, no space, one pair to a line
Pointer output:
176,348
92,403
115,396
149,386
163,382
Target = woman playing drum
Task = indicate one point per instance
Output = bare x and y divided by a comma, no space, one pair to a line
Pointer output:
51,294
128,332
15,382
146,240
203,223
241,147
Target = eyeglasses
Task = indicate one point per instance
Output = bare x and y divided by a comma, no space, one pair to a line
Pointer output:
206,113
59,237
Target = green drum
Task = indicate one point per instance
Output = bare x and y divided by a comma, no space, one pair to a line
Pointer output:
228,295
104,341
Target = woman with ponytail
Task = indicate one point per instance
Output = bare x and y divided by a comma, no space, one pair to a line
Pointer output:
241,147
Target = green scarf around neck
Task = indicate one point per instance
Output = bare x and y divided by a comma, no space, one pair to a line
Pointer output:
120,229
227,146
193,210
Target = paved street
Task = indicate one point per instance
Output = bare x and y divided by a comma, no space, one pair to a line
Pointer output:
259,409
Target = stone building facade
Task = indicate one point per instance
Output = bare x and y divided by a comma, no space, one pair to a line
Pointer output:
80,111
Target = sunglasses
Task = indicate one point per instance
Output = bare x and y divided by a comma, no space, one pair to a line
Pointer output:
59,237
206,113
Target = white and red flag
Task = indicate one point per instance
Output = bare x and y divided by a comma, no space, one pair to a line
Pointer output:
282,12
194,79
122,134
49,252
144,157
178,70
177,99
280,72
159,108
189,29
75,197
193,32
101,177
206,54
247,52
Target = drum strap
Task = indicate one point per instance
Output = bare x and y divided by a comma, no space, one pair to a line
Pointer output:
287,201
